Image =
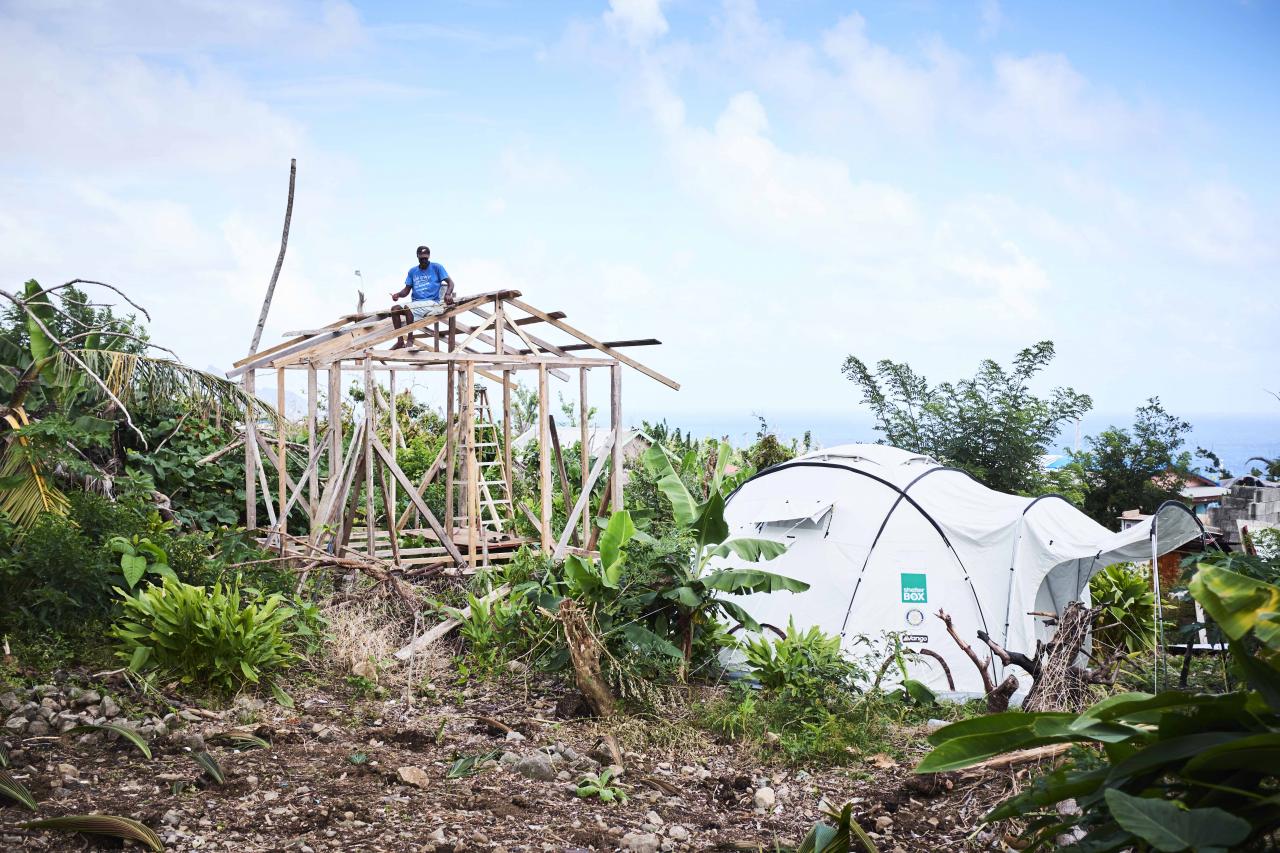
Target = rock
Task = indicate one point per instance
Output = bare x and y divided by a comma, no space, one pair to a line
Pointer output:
688,770
517,667
883,822
9,702
109,707
438,836
641,842
616,770
676,832
16,725
189,715
654,818
68,772
509,758
772,738
89,697
415,776
514,736
37,728
536,765
365,669
171,818
765,799
564,776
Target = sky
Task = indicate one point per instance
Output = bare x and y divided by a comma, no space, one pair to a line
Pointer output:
767,187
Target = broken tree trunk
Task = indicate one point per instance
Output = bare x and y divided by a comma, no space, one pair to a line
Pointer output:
997,697
584,651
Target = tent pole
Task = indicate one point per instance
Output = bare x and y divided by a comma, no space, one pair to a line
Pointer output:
1155,576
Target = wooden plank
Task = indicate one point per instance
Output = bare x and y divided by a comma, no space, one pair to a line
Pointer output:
640,342
584,438
268,453
615,421
450,418
422,486
270,352
250,452
472,464
390,515
423,509
282,467
266,488
587,339
580,505
334,405
506,441
371,426
312,464
448,625
340,482
560,466
483,327
313,479
387,332
544,461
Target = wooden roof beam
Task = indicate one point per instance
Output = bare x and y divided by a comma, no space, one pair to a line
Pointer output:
644,342
587,339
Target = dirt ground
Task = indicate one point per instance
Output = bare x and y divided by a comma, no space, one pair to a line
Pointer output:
353,772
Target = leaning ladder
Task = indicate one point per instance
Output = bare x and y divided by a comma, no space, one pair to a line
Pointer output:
491,474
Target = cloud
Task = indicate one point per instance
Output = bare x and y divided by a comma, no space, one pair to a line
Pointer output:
992,17
638,21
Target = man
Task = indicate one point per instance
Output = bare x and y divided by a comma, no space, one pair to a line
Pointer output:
432,290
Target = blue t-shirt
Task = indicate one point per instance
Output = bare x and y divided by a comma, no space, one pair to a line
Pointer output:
426,283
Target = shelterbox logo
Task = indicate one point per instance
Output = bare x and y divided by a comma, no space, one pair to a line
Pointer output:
915,589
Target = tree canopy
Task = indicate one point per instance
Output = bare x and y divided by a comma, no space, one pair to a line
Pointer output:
993,425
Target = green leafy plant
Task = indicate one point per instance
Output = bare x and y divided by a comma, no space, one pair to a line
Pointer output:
210,766
128,734
102,824
1126,602
1173,771
825,838
694,593
207,636
240,740
15,790
140,556
469,765
806,664
601,785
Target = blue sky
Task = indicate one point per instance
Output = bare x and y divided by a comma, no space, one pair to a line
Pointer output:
766,186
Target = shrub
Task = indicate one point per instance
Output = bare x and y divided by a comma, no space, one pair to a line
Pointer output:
1127,608
806,665
56,579
205,636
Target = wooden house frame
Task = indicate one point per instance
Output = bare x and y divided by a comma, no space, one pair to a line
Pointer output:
489,338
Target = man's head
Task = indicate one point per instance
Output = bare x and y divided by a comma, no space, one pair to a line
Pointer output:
424,256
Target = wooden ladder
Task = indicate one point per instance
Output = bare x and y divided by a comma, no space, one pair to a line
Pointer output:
491,473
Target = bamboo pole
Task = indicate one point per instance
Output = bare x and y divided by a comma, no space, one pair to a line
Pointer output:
544,460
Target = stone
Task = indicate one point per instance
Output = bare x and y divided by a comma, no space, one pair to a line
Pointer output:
883,822
438,836
676,832
9,702
68,772
765,798
514,736
16,725
37,728
641,842
89,697
365,669
654,818
109,707
415,776
616,770
536,765
509,758
564,776
171,818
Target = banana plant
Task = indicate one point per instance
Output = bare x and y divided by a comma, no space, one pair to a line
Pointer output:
694,593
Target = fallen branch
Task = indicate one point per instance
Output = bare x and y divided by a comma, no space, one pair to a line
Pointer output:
447,625
997,696
1022,756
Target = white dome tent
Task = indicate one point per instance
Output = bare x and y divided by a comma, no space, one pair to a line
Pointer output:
885,538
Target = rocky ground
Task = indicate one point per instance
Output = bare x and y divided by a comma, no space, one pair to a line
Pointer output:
347,771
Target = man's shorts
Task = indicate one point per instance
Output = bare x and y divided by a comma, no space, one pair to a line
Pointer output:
425,308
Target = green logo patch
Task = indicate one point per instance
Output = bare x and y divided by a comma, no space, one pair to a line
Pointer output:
915,588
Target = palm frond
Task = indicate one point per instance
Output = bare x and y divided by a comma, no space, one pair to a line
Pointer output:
145,380
26,490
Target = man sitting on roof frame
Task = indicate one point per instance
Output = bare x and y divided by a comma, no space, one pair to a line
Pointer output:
425,281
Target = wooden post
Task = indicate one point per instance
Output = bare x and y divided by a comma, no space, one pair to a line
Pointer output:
369,428
335,420
584,437
506,443
544,459
281,476
615,421
275,274
469,460
450,445
250,454
313,481
499,321
395,445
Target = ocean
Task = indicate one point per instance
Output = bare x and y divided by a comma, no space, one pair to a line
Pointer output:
1234,438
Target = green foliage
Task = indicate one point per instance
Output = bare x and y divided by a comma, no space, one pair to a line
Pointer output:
16,791
768,450
102,824
493,630
207,637
601,786
1173,771
469,765
841,838
140,556
992,425
1126,602
1137,468
805,665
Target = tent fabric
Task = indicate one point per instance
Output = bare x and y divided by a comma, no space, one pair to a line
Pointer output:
885,538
